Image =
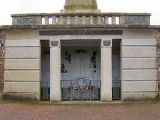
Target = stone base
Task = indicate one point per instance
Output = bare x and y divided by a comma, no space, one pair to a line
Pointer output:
20,97
140,96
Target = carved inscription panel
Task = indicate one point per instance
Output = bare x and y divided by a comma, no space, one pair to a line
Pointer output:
26,20
135,20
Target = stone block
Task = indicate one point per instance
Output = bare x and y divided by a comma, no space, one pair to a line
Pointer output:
19,34
29,20
139,86
135,42
21,87
20,43
142,74
139,52
22,52
106,74
21,64
21,96
137,96
55,74
138,63
17,75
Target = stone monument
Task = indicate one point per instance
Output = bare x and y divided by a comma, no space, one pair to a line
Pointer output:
80,6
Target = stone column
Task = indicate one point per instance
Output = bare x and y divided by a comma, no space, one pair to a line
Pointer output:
53,20
106,70
68,20
46,20
106,20
76,20
91,20
55,71
83,20
61,20
99,20
113,20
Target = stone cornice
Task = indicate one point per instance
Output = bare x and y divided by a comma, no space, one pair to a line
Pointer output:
4,27
81,14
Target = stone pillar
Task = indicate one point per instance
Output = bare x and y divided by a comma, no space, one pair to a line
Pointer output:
53,20
99,20
61,20
76,20
106,70
83,20
106,20
91,20
68,20
46,20
55,71
113,20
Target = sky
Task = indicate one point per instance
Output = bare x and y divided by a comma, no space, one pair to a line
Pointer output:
8,7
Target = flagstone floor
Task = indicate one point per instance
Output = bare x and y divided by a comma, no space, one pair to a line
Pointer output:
37,111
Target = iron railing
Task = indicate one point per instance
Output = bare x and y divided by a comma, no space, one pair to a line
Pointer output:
116,89
80,89
45,90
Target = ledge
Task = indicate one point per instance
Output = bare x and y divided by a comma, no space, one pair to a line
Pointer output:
81,13
4,27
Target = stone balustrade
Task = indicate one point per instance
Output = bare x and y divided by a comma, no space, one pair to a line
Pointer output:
81,19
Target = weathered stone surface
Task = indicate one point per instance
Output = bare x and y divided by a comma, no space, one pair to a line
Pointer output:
22,52
17,76
139,96
21,96
106,74
138,63
137,51
135,20
20,43
139,33
142,74
19,34
21,87
80,5
27,20
139,42
139,86
21,64
55,74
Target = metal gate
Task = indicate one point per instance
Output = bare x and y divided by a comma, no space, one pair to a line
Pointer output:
80,89
45,90
116,89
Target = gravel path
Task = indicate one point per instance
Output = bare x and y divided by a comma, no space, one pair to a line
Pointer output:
24,111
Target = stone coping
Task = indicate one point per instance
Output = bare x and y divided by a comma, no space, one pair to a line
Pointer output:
4,27
81,14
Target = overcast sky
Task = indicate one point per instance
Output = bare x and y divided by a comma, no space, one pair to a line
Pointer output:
8,7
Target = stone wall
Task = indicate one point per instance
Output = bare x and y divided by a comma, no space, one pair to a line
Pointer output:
22,66
2,52
158,60
139,70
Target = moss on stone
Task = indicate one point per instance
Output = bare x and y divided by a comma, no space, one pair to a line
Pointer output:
83,7
94,5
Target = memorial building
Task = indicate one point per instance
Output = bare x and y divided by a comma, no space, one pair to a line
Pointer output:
80,53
